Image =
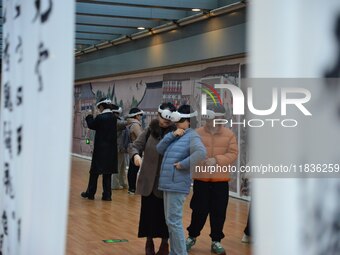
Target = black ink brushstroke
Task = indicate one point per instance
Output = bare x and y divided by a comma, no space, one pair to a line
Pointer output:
5,223
18,49
7,92
6,55
1,242
7,137
43,55
19,96
37,7
45,15
19,230
8,181
18,11
19,140
4,18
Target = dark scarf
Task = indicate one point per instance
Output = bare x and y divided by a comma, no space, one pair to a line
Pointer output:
158,132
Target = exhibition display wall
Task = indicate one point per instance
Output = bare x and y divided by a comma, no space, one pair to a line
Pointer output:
147,90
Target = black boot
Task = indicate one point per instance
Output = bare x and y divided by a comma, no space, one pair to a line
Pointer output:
163,248
149,247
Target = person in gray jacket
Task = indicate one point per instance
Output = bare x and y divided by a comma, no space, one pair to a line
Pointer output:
182,150
135,128
152,221
119,180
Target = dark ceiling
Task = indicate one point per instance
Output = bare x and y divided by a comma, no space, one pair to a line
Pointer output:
99,22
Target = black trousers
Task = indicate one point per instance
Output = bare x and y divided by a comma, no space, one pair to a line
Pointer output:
209,198
132,176
92,186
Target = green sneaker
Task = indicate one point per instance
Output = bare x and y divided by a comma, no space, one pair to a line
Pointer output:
217,248
190,242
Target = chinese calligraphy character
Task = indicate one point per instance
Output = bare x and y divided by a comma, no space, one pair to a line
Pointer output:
18,11
7,91
43,15
18,49
5,223
19,95
43,55
19,139
7,137
6,53
8,181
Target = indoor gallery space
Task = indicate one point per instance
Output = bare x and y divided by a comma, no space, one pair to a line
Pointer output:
169,127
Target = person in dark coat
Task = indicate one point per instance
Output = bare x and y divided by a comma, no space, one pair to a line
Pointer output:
104,157
152,220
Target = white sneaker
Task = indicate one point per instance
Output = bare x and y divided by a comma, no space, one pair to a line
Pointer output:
118,188
190,242
217,248
246,239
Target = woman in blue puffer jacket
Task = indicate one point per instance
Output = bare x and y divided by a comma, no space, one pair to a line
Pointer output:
182,150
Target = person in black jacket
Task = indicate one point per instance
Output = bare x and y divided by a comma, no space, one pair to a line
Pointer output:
104,157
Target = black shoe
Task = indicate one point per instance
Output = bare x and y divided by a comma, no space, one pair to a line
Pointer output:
106,198
86,195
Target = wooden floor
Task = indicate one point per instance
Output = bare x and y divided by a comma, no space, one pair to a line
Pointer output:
90,222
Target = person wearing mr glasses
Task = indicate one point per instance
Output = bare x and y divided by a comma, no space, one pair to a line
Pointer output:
211,191
181,150
152,221
135,129
104,157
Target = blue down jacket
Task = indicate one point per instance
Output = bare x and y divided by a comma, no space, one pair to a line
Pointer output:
188,150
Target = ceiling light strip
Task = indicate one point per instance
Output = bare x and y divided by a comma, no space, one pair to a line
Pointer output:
166,27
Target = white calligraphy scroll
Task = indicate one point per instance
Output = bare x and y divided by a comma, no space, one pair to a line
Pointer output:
36,116
297,40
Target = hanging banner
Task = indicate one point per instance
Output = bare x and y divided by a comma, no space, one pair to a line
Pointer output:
35,120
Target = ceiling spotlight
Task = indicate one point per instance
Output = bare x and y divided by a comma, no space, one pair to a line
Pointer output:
140,28
196,9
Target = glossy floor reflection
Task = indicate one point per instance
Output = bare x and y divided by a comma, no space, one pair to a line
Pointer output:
92,221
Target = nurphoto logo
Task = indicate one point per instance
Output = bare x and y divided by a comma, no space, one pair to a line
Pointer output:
238,104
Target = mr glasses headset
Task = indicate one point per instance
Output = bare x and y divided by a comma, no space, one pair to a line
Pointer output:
212,115
177,116
174,116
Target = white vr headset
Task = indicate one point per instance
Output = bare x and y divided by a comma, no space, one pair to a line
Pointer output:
119,110
212,115
106,101
130,115
176,116
165,114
